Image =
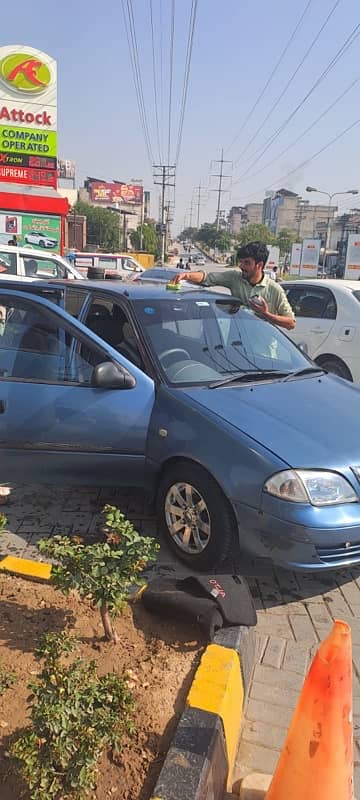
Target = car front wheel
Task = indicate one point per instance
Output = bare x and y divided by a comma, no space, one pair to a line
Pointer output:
195,516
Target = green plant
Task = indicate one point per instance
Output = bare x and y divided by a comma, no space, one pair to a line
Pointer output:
7,679
104,571
74,715
3,521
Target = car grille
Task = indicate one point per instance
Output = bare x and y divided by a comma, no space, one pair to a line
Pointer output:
338,554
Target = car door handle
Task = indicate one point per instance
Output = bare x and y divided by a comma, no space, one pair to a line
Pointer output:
2,406
317,330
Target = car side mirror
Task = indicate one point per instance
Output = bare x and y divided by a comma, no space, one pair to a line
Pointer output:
108,375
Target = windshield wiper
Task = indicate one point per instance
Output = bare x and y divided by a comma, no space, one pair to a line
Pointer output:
249,375
304,371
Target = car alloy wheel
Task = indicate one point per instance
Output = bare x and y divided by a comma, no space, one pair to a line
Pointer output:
187,518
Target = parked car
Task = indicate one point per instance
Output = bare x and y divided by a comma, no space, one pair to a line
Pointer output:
328,323
158,275
29,264
215,412
41,239
98,266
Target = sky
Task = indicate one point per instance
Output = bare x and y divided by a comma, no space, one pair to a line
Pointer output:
236,46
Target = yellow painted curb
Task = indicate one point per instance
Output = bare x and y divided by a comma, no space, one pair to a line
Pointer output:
27,568
218,688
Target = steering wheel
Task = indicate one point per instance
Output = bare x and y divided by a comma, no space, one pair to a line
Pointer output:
173,351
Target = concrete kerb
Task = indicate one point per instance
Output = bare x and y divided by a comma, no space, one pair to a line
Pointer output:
201,756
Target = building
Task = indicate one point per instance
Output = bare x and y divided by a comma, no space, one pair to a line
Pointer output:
286,209
241,216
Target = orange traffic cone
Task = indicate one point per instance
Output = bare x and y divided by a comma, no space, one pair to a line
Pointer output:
317,758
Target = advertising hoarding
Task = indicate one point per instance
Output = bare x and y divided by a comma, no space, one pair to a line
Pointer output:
28,110
32,230
295,259
352,263
66,169
41,177
21,160
273,259
310,257
101,192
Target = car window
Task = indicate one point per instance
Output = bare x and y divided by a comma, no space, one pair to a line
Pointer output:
312,301
38,267
110,263
109,321
7,262
356,294
34,347
74,301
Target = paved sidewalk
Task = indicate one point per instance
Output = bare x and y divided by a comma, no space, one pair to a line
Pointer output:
295,612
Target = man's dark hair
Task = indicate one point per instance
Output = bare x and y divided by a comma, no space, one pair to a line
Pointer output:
256,250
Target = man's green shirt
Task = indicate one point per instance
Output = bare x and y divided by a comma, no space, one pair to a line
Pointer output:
271,291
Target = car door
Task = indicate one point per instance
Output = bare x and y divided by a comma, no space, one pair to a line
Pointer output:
55,425
315,309
8,264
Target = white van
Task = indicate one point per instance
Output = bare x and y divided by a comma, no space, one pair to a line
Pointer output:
106,265
27,263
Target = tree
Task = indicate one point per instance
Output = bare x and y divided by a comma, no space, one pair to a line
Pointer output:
207,234
285,239
223,241
256,233
188,234
149,236
104,227
101,572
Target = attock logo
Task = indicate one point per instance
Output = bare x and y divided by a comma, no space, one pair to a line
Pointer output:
25,73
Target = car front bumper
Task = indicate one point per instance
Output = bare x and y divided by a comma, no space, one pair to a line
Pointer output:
308,539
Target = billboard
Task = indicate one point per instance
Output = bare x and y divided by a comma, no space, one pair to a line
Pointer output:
310,257
273,259
101,192
28,110
295,259
21,160
352,263
33,230
66,169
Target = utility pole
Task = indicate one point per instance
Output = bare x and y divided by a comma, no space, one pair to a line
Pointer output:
220,191
164,175
199,202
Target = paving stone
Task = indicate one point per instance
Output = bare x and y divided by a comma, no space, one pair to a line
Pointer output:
265,735
274,652
266,693
253,757
296,658
275,625
277,677
303,629
319,614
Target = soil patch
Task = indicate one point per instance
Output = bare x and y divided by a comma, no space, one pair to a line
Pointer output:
162,656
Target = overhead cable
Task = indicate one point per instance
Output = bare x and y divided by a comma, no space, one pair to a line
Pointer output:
189,49
135,64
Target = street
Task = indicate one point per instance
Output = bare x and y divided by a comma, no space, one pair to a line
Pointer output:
295,611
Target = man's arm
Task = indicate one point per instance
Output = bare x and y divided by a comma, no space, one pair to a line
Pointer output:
282,313
207,278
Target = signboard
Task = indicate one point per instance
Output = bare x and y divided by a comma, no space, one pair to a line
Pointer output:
310,257
41,177
28,111
295,259
33,230
27,140
20,160
115,192
66,169
273,259
352,263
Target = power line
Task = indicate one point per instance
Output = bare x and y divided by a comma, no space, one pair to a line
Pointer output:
341,52
291,79
189,49
135,64
318,153
161,71
301,136
172,29
276,67
154,80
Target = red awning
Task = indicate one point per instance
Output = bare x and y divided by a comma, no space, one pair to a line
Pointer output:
34,203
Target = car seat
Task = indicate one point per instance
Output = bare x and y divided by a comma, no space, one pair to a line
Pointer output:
30,267
311,306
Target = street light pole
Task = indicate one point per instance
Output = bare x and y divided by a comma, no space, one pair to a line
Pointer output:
328,228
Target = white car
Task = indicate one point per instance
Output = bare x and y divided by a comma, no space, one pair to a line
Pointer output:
26,264
199,261
41,239
328,323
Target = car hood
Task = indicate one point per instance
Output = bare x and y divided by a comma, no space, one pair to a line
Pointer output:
307,422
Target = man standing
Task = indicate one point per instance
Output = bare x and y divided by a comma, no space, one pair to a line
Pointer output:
250,285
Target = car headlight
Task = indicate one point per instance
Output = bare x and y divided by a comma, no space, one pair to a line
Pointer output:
311,486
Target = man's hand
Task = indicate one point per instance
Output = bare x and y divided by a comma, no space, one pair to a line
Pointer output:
261,308
192,277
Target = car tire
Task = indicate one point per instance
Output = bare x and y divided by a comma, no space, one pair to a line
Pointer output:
336,367
208,511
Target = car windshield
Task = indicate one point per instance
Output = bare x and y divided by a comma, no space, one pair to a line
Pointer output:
199,341
356,294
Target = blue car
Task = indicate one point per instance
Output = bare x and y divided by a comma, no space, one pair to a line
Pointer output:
215,412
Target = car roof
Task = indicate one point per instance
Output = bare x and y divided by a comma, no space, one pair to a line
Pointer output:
131,290
29,251
333,283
